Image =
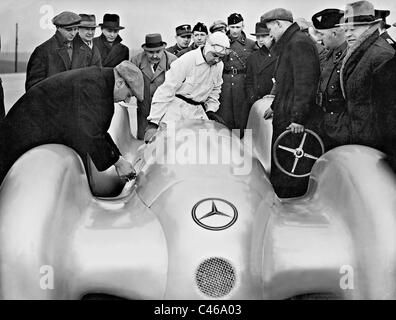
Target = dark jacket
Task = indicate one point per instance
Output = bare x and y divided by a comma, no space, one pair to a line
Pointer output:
388,39
86,57
297,77
259,73
385,87
111,55
193,46
234,108
152,80
335,130
360,67
2,107
73,108
174,49
51,58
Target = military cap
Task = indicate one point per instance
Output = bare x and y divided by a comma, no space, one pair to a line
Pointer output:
234,18
218,25
184,29
261,29
200,27
66,19
382,14
133,78
327,19
277,14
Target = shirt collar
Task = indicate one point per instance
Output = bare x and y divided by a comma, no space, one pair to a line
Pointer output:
199,58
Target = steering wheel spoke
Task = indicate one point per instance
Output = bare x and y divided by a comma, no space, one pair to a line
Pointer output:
287,149
298,152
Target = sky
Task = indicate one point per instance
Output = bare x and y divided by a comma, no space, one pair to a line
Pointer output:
140,17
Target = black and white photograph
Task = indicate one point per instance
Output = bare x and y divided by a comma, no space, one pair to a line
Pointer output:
197,153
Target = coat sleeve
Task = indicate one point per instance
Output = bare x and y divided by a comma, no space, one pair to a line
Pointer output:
212,102
305,63
36,68
95,114
249,81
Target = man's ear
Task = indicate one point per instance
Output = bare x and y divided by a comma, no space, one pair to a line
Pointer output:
119,82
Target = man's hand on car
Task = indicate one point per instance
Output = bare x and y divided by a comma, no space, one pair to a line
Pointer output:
296,128
125,170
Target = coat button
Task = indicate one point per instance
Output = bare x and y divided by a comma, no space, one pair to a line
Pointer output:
231,59
332,87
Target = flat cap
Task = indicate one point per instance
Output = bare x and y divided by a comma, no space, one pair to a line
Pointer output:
66,19
200,27
277,14
234,18
133,77
184,29
327,19
218,25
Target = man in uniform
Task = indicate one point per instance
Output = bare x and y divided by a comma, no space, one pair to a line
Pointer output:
112,51
334,128
297,77
56,54
192,86
153,63
218,25
200,33
383,26
89,53
73,108
234,108
183,38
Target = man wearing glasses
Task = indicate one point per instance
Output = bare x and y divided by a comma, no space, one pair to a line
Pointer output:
183,38
56,54
192,86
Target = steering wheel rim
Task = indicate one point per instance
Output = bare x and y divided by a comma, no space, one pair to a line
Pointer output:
297,152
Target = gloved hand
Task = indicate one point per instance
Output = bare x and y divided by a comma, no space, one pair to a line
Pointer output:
214,116
125,169
151,130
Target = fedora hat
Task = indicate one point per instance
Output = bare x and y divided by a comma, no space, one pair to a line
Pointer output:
261,30
153,42
358,14
111,21
87,21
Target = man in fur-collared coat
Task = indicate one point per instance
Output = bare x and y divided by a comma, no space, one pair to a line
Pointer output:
367,53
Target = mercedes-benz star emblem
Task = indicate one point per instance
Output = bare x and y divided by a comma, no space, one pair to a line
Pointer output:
214,214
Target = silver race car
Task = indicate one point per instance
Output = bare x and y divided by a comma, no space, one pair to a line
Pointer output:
201,221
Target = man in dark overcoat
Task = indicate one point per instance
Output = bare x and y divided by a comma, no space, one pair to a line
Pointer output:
260,67
74,108
89,54
56,54
112,51
335,125
297,76
154,61
384,26
234,108
367,52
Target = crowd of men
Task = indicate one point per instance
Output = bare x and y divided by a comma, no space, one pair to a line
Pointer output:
335,75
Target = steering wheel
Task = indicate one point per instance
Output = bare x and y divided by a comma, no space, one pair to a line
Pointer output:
298,152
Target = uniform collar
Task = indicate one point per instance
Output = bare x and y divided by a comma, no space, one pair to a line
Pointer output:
338,52
241,39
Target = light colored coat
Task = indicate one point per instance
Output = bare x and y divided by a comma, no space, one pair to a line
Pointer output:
152,80
191,77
